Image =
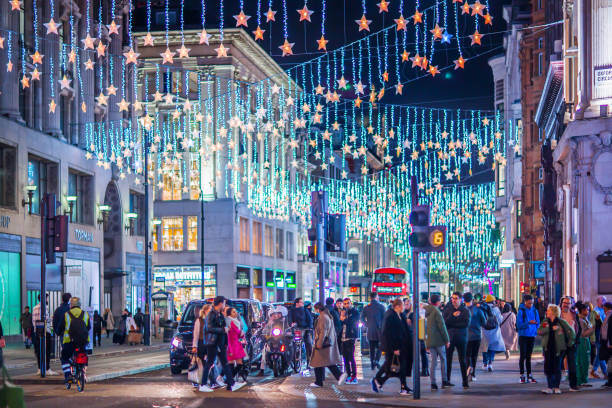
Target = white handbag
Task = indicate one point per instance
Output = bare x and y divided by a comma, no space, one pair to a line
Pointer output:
195,376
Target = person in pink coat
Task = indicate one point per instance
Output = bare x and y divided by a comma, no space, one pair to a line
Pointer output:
235,349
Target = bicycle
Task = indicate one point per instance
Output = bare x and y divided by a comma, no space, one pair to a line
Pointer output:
78,362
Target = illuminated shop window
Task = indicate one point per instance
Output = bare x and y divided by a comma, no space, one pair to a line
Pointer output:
172,233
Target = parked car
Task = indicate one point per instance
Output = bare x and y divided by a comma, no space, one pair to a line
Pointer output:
180,346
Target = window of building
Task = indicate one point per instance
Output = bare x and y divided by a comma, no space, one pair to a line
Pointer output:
192,233
353,261
540,63
519,213
280,243
541,42
269,240
499,90
500,180
290,246
172,233
7,175
80,185
154,239
194,177
245,235
541,173
172,184
137,206
541,194
257,242
43,176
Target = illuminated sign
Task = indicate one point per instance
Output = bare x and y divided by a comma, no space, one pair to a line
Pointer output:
354,289
436,238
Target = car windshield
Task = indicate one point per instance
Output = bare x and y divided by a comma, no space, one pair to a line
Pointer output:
389,277
189,315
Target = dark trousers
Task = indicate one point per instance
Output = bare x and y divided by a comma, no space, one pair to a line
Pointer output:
307,337
108,333
552,370
525,350
570,354
97,337
405,360
66,356
374,353
471,353
36,338
424,359
461,346
217,351
320,374
348,354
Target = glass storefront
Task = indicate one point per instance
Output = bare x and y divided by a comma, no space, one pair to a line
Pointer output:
185,282
10,292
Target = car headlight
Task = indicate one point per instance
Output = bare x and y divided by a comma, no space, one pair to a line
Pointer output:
276,332
176,342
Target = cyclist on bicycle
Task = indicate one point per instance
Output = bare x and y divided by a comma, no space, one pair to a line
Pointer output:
76,327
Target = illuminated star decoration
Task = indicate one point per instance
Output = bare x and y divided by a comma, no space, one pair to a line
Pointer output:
241,19
113,28
477,8
446,37
398,88
383,6
405,56
183,51
131,56
65,82
88,42
258,33
270,15
1,42
305,13
488,19
89,64
459,62
437,32
148,40
476,38
35,74
221,51
322,42
167,56
101,49
204,37
433,70
417,17
287,48
15,5
52,106
36,58
51,27
401,23
363,23
25,82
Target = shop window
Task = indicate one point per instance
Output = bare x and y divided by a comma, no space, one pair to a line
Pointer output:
172,233
245,241
43,176
280,243
269,238
7,175
257,277
137,206
172,184
257,242
194,177
80,185
154,239
290,246
353,260
192,233
270,279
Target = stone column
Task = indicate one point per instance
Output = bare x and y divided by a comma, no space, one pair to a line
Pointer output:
9,81
49,47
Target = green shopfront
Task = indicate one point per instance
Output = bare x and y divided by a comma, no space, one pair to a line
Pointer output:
10,283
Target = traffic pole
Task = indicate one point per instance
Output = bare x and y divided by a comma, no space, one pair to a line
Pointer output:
43,286
416,349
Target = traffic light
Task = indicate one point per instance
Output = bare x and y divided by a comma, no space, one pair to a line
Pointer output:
315,249
425,237
60,233
336,233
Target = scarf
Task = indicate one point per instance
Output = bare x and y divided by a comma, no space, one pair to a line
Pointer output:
237,322
604,328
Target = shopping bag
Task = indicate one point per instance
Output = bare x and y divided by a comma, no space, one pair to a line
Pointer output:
195,375
11,396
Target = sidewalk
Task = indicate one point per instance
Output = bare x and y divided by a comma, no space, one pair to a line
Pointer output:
501,386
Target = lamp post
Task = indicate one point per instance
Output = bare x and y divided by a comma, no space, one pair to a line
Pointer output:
71,200
202,234
147,328
30,189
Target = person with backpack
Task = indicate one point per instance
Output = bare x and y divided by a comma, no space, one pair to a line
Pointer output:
492,333
75,327
527,324
457,319
477,320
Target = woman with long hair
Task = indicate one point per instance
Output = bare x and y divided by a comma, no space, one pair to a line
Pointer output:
325,351
198,347
235,350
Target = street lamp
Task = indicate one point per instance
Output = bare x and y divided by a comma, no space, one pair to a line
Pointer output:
129,226
71,200
104,210
30,189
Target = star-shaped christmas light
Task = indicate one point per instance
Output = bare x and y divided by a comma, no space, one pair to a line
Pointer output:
446,37
405,56
258,33
1,42
52,106
322,42
36,57
123,105
35,74
416,61
398,88
241,19
168,56
131,57
437,32
341,82
102,99
51,27
100,49
363,23
148,40
305,13
113,28
221,51
476,37
477,8
9,66
401,23
270,15
358,102
72,56
25,82
15,5
204,37
319,89
286,48
433,70
89,64
88,42
459,62
111,90
183,52
383,6
488,19
465,9
417,17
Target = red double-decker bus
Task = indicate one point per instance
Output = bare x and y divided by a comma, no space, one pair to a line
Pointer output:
390,283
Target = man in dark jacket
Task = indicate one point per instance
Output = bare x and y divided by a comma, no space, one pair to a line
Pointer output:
334,312
477,320
58,315
349,317
457,319
372,316
216,345
302,319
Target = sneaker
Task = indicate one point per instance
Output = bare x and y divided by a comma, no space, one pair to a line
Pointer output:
38,372
215,386
446,384
532,380
205,388
375,385
354,380
595,375
523,380
434,387
237,386
484,366
490,368
342,378
51,372
547,391
572,390
474,377
558,390
315,385
348,380
405,391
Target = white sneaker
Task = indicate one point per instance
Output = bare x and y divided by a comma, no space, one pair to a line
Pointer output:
558,390
51,372
238,386
220,381
38,372
342,378
313,385
547,391
490,368
205,388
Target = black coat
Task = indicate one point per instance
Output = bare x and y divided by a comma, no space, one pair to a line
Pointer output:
58,319
301,317
215,329
457,326
336,318
350,324
396,333
372,316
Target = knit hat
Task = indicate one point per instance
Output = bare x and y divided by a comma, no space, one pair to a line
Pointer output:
489,299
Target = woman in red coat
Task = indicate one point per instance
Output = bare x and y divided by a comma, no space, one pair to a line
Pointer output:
235,349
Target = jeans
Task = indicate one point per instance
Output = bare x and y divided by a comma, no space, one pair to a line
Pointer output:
307,337
597,362
570,354
374,353
489,356
97,337
525,349
320,374
217,351
348,354
461,346
552,370
36,338
435,353
108,332
471,353
424,359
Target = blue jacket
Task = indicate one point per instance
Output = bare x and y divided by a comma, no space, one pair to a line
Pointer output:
523,317
476,323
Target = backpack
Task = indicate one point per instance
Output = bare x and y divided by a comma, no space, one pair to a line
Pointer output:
491,320
78,332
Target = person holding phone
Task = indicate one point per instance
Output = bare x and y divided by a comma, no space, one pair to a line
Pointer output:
527,324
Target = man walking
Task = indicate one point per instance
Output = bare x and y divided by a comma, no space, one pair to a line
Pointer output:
26,327
372,316
457,319
349,317
527,323
477,320
39,334
302,319
437,340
